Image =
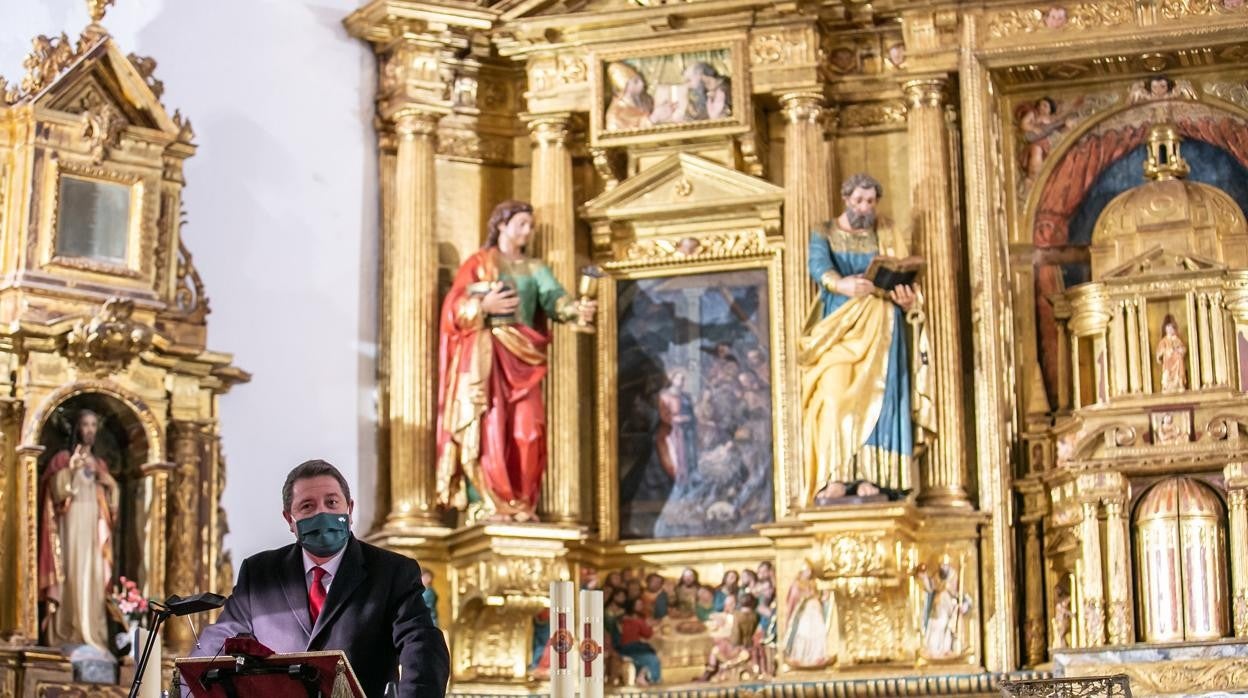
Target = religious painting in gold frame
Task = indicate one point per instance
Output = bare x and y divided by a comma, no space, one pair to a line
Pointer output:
704,313
650,93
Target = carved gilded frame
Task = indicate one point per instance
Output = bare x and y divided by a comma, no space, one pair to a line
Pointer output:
142,217
739,122
748,251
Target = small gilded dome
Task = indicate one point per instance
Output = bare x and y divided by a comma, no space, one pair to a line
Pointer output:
1179,497
1170,212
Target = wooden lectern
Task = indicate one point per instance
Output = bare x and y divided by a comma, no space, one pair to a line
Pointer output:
300,675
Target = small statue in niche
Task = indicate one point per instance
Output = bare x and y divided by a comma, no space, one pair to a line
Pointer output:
1061,616
945,604
78,510
1172,355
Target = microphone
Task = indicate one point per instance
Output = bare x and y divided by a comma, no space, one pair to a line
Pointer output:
198,603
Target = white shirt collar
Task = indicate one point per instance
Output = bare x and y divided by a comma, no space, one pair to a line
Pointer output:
330,566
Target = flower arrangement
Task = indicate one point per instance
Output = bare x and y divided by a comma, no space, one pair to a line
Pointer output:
129,601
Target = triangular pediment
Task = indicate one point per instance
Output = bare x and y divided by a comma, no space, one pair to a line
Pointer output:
1158,261
684,182
103,75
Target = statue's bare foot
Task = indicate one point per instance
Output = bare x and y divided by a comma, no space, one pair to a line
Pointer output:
867,489
830,492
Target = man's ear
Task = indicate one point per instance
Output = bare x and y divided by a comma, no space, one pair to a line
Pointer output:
350,511
290,521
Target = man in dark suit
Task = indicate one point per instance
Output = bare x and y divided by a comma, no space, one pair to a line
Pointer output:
331,591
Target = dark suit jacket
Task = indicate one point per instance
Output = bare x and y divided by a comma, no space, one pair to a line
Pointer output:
375,613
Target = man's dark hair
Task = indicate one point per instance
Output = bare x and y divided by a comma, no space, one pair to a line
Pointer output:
310,469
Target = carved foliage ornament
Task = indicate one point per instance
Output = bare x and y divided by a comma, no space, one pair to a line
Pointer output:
705,246
110,340
1179,9
872,114
146,65
1062,17
102,125
189,295
778,48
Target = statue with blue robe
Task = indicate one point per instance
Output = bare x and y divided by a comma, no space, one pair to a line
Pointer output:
861,400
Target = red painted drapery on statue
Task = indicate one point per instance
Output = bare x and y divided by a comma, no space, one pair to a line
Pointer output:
491,420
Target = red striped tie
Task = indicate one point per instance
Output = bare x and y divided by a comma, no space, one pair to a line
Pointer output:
316,595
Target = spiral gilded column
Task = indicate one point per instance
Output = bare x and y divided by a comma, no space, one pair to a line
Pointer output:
935,238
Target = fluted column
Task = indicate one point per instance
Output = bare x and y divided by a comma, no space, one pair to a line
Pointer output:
1121,617
410,312
1237,499
567,412
1093,610
806,192
935,238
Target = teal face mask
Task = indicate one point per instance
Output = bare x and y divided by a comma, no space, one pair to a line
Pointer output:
325,534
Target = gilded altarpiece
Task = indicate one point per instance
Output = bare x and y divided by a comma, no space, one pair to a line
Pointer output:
104,349
689,150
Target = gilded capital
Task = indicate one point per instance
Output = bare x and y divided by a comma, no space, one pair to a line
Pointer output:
547,130
925,92
802,107
414,121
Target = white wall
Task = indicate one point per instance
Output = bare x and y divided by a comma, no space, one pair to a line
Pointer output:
282,213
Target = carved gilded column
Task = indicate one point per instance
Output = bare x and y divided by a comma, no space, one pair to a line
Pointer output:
567,413
806,192
184,569
1237,499
1035,630
27,626
1121,616
156,527
1092,578
935,238
410,311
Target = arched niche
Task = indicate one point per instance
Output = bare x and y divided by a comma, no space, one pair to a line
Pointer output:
130,441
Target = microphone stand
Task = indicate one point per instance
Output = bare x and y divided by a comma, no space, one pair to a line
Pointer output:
160,613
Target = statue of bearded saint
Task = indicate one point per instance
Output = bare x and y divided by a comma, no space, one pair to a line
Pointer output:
77,511
863,401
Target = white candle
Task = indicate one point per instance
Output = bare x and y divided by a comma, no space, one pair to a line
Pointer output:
563,670
591,644
150,688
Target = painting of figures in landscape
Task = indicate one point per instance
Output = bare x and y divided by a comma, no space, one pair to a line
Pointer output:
695,404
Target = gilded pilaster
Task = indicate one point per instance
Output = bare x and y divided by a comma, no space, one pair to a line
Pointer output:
1093,611
156,478
555,232
410,309
1237,501
934,233
1120,619
27,626
184,573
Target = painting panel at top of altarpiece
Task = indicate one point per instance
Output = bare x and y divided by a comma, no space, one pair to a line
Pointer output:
695,405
